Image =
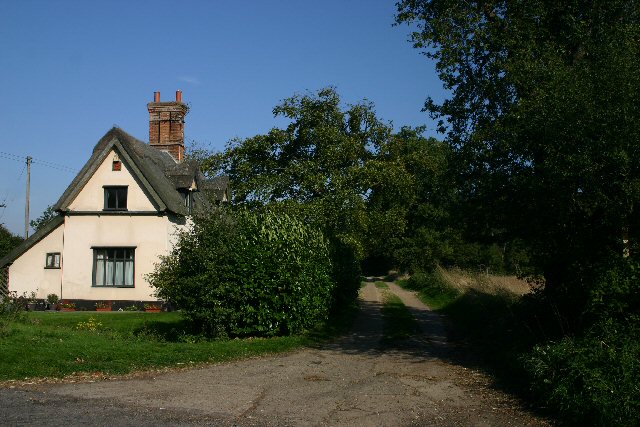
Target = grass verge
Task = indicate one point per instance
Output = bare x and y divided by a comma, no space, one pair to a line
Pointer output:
58,344
399,323
381,285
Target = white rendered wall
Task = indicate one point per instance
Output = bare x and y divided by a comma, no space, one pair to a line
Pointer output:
150,235
91,197
28,272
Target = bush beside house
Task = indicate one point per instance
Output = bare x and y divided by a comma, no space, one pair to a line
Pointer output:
238,273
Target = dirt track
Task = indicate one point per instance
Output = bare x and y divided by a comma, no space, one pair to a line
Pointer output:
353,381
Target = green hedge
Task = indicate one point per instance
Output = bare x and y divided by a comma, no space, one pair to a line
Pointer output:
592,380
238,273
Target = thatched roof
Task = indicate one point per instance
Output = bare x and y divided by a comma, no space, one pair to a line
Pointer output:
159,174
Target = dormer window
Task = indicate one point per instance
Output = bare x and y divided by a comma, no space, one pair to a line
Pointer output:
115,198
188,200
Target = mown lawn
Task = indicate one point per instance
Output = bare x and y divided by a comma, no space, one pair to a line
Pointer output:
47,344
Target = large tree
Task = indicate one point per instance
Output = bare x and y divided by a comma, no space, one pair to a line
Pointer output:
370,190
544,117
315,166
8,241
47,215
408,221
314,169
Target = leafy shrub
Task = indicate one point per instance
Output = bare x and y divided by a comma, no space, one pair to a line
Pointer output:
594,380
12,309
594,377
616,292
242,273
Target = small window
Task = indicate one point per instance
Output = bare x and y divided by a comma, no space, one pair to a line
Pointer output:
113,267
188,200
116,165
115,198
52,260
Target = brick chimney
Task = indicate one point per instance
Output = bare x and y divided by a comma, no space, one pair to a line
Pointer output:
166,125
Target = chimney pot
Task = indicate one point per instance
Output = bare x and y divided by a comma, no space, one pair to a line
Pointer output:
156,96
178,96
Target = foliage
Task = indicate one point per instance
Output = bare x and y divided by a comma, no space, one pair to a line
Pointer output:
591,380
432,287
314,168
378,196
615,293
43,219
12,309
8,241
239,273
52,298
594,377
408,204
543,118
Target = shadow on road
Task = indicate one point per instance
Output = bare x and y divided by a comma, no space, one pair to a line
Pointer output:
367,338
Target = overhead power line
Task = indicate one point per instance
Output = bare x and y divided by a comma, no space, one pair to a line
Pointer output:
45,163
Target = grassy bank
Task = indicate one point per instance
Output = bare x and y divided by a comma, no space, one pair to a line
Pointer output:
46,344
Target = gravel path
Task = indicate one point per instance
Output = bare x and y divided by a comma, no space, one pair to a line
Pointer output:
352,382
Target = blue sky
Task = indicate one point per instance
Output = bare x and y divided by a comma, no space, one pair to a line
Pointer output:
71,70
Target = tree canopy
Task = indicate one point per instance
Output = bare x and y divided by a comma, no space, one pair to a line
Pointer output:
47,215
8,241
543,117
315,164
347,172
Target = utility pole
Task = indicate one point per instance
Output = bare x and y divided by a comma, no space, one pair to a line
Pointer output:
26,206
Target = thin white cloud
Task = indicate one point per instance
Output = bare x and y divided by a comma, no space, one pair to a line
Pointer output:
190,80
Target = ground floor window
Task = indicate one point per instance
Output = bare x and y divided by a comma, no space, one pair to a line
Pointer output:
113,266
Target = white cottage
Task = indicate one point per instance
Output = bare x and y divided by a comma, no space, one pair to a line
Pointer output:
119,214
